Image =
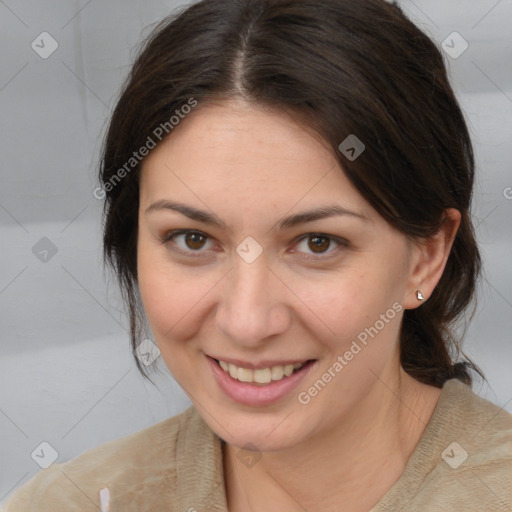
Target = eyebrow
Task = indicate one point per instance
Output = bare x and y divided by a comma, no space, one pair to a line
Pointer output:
290,221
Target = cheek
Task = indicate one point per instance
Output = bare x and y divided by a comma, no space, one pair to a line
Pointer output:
354,305
177,299
168,294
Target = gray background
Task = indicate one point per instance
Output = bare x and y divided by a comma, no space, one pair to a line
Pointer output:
66,375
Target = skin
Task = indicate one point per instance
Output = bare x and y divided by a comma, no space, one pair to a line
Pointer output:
252,166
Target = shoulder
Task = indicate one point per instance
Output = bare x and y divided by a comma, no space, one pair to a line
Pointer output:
475,467
463,460
478,458
485,428
144,459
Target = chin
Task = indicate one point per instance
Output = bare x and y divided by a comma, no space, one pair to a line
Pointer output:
265,432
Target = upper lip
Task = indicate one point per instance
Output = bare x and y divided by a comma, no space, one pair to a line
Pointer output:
261,364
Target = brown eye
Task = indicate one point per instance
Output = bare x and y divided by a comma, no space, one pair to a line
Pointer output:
195,241
191,243
319,244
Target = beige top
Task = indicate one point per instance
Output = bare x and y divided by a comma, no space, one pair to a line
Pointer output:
463,462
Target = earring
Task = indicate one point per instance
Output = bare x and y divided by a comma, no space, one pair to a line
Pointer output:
419,295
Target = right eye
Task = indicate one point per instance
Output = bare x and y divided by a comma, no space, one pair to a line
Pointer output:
186,242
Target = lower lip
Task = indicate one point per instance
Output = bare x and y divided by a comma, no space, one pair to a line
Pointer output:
257,394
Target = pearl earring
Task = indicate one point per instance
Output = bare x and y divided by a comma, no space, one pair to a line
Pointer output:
419,295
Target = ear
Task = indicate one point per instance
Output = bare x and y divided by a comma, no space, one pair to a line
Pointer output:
428,260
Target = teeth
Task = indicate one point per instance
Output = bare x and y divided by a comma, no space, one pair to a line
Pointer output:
277,372
233,371
244,374
288,369
261,375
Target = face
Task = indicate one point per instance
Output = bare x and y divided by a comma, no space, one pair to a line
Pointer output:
254,249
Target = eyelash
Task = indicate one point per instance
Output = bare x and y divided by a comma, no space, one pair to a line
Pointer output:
168,238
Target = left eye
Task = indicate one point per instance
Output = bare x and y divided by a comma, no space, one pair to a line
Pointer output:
317,243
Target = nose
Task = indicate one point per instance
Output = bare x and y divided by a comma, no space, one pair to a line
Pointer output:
252,305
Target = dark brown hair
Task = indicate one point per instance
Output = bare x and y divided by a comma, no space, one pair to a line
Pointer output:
344,67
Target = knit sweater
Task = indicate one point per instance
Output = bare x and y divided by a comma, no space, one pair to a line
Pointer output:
462,462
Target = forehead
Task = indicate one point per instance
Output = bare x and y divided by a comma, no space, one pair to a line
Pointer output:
235,152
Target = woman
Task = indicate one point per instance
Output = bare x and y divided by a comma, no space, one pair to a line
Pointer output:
288,186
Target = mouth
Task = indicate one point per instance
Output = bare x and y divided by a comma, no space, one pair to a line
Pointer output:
262,386
261,376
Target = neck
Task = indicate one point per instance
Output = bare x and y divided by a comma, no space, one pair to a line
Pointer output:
354,464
